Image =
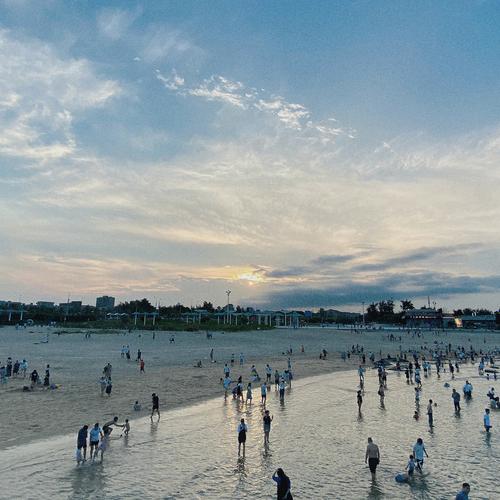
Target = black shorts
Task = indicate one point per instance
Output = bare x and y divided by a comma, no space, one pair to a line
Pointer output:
242,437
82,445
372,463
156,408
94,443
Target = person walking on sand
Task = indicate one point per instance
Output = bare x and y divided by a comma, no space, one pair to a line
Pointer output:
156,405
242,436
276,379
372,456
141,364
267,419
283,485
269,372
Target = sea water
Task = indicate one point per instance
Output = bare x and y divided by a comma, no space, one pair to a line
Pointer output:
317,437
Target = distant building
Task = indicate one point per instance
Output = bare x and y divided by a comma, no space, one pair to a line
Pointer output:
423,318
43,304
478,321
105,303
73,307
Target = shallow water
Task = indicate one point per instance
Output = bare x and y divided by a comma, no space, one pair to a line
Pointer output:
317,437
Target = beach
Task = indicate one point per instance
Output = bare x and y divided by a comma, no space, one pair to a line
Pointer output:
76,364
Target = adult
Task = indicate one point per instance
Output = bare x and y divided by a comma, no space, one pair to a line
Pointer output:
267,419
106,428
463,494
81,441
372,456
418,452
103,383
156,405
109,386
94,435
242,436
283,485
456,400
430,413
263,393
359,398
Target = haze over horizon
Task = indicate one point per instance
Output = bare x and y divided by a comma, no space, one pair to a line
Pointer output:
301,154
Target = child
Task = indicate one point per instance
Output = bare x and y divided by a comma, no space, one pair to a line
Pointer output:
486,419
126,427
416,415
410,467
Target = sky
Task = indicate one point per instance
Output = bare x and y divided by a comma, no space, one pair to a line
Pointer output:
300,154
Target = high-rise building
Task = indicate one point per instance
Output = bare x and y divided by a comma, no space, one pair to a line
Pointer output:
105,302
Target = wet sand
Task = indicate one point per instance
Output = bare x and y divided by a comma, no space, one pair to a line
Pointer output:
76,364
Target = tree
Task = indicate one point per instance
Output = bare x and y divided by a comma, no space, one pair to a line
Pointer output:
208,306
372,313
407,305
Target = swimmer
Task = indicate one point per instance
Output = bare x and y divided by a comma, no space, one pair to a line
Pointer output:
137,406
463,494
372,456
242,436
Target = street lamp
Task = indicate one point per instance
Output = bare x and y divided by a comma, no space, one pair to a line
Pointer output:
228,293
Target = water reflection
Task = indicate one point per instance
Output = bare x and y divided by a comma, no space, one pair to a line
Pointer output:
318,437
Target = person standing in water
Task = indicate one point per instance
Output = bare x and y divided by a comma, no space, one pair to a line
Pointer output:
242,436
430,414
156,405
263,393
249,393
282,389
81,442
456,400
372,456
487,420
360,401
267,419
283,484
95,434
418,452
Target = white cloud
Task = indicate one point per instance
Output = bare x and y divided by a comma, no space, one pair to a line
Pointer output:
218,88
41,92
160,43
114,23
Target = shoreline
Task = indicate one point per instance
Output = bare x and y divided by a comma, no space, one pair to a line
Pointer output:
76,364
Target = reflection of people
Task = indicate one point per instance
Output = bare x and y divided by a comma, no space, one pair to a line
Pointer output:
283,485
372,456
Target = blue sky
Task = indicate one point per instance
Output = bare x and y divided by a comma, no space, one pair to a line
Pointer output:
303,154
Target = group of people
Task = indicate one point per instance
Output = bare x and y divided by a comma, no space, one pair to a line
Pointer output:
10,369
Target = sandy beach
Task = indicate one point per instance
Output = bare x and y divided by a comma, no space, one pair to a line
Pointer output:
76,363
